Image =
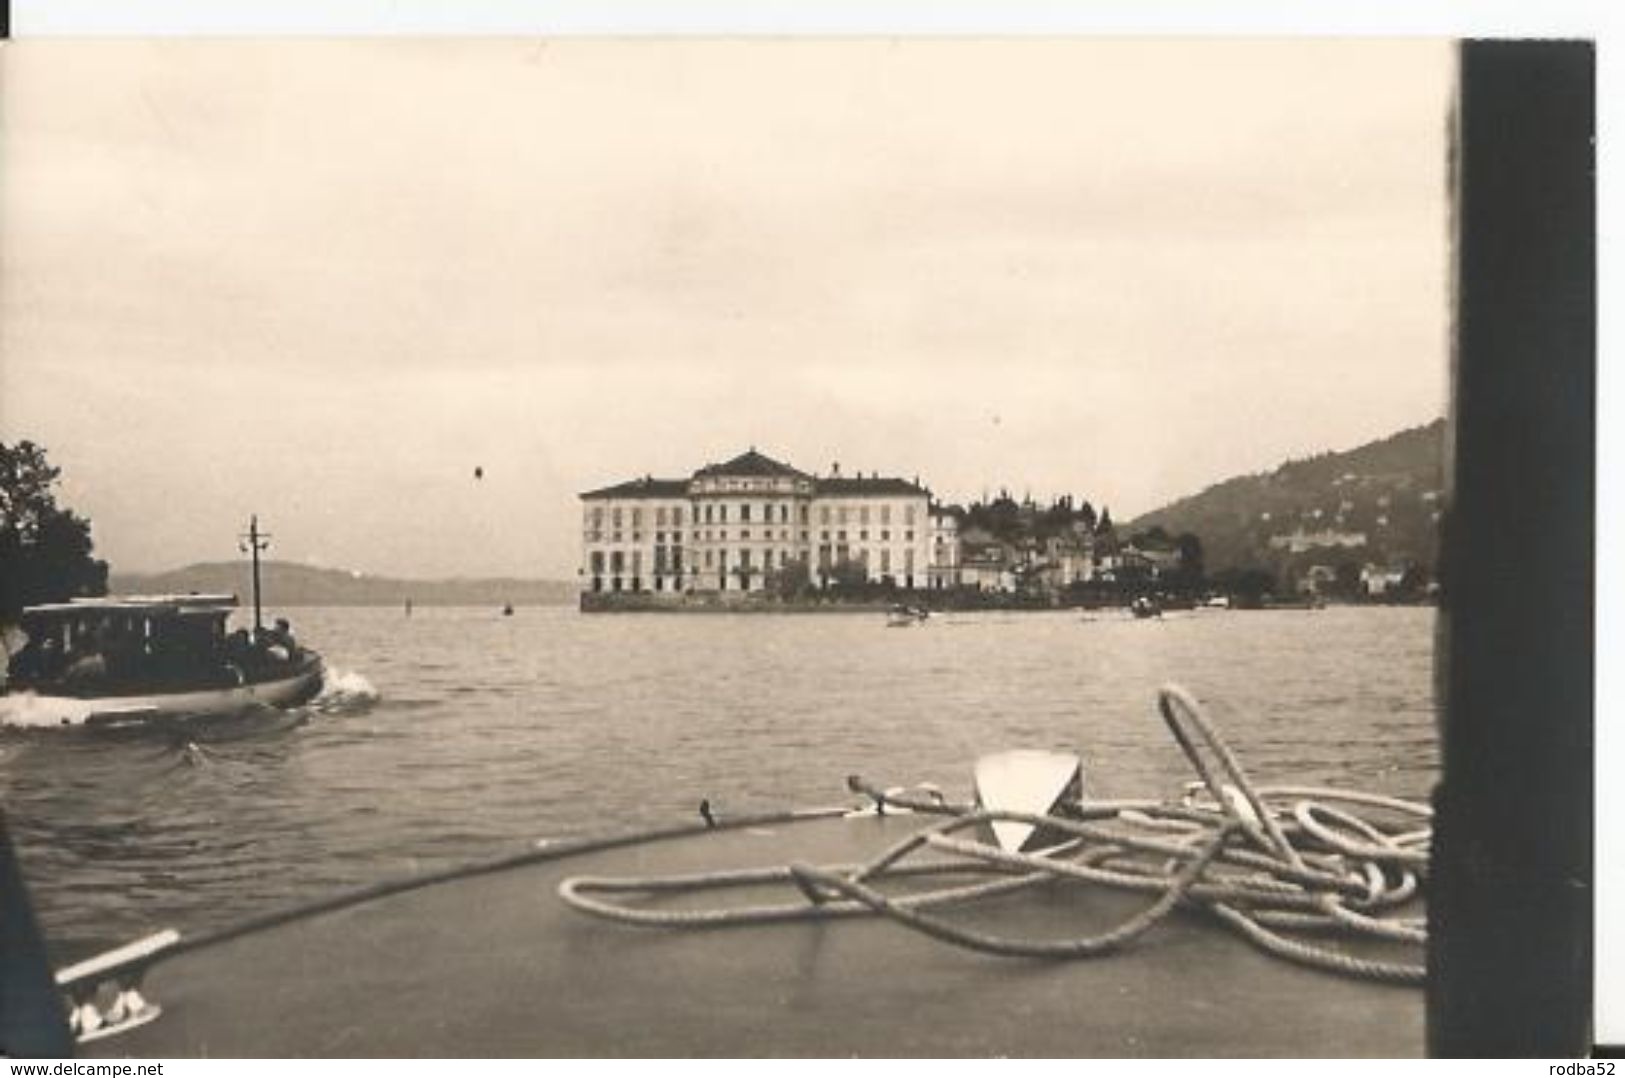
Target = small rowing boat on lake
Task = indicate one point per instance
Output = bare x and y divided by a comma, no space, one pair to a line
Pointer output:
902,616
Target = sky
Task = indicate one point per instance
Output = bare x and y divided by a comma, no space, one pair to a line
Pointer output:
325,281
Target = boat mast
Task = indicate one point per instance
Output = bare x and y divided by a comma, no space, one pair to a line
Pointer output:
256,541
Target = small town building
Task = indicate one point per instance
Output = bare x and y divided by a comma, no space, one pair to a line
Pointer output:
1318,580
1379,580
1298,541
942,572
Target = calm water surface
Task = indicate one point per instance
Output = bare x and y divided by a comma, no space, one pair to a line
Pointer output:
459,734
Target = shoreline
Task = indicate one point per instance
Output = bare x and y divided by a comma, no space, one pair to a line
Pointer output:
636,603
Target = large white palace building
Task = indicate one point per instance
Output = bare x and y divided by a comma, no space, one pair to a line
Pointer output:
733,527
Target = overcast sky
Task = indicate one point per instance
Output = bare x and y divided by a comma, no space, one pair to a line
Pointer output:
325,281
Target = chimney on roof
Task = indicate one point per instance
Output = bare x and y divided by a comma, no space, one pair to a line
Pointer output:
835,469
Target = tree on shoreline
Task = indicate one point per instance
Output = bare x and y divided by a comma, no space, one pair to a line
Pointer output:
789,582
45,550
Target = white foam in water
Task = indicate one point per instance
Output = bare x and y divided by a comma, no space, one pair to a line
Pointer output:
345,688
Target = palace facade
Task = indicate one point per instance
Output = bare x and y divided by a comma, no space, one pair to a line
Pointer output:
743,525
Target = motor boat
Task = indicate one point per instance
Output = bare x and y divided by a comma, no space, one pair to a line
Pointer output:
123,660
117,661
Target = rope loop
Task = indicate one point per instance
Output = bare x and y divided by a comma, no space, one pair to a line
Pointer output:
1185,717
1271,863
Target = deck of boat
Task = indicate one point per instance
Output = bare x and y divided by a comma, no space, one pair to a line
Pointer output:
497,966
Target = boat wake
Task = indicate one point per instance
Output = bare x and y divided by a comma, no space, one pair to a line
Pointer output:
343,692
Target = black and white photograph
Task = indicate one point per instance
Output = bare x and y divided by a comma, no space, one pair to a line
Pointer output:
879,546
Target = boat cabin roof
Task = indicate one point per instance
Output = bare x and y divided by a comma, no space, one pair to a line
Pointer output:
140,605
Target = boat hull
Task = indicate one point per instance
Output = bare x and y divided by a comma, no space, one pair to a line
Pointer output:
42,710
496,965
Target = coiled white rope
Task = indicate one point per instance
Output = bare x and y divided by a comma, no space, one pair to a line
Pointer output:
1264,861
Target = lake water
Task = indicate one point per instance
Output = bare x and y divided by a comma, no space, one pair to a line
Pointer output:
459,734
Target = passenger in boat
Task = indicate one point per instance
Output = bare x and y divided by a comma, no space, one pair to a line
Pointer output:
124,654
238,653
85,666
22,663
238,648
279,640
38,660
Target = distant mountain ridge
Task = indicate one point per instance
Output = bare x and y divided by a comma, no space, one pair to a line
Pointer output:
1377,503
291,584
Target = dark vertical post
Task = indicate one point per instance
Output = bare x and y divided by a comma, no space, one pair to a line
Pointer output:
1510,894
254,545
33,1021
257,541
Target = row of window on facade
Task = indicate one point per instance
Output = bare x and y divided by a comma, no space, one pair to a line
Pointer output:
673,515
675,583
670,560
721,536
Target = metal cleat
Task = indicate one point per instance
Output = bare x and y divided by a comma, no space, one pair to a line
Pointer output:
127,1005
119,973
86,1019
